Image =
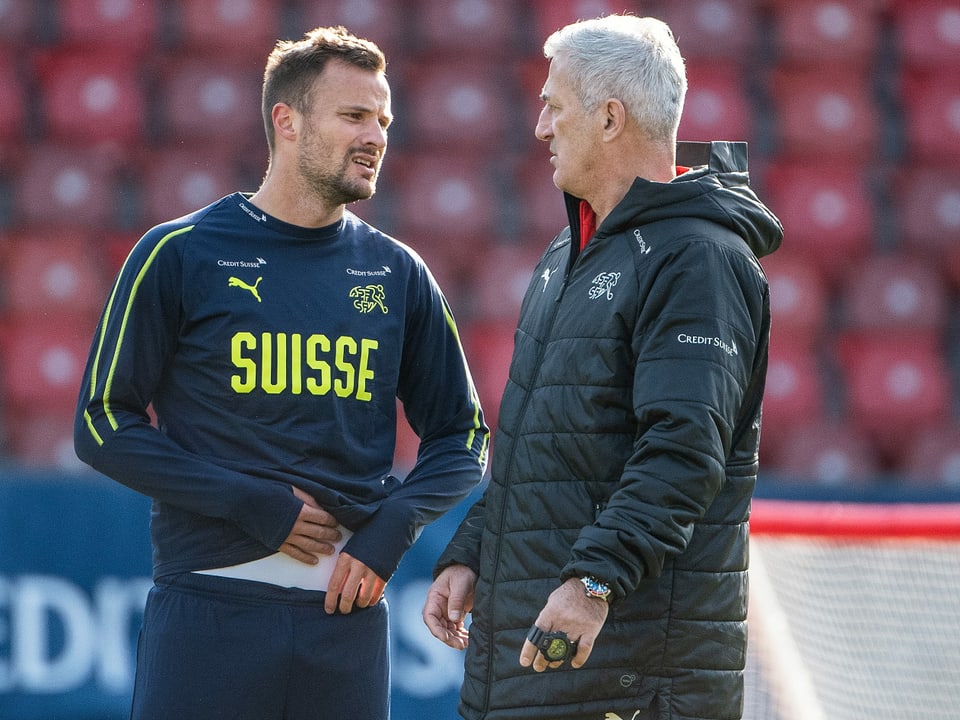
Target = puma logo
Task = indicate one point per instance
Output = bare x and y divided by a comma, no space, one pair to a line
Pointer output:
237,282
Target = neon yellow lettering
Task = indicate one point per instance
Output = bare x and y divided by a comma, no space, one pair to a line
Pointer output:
274,385
317,344
365,373
296,364
248,381
277,363
344,387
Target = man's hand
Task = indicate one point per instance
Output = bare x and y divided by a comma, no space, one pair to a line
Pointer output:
313,534
352,583
568,609
449,600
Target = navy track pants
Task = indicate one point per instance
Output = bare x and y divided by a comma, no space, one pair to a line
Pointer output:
215,648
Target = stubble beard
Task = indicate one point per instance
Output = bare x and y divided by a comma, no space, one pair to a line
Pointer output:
335,187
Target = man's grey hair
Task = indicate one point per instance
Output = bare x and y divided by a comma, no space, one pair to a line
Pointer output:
635,60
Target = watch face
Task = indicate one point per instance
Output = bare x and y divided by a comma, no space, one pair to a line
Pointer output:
556,649
554,646
595,588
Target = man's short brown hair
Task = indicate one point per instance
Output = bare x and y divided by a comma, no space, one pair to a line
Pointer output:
293,66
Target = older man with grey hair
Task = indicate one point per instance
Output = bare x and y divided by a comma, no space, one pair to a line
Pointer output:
605,565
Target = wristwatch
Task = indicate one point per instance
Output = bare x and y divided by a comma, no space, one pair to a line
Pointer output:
595,588
554,646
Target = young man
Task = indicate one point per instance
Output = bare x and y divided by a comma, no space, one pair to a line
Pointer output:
610,548
272,335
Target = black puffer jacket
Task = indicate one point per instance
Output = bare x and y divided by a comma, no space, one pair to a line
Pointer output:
627,449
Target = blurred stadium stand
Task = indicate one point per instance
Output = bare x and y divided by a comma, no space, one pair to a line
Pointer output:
851,109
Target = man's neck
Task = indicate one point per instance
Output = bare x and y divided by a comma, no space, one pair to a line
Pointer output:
655,168
294,205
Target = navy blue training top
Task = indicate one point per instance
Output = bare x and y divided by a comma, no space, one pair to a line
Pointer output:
273,355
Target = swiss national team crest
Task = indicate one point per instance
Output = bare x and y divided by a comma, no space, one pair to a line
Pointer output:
603,285
367,298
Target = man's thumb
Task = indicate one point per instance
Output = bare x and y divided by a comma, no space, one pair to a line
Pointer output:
455,607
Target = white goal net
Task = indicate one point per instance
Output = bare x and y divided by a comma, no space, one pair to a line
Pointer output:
854,612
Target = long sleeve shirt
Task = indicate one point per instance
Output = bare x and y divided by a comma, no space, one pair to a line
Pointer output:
239,355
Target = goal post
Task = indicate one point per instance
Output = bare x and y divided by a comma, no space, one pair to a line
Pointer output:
854,611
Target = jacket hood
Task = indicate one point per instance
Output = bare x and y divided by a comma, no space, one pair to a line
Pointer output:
716,188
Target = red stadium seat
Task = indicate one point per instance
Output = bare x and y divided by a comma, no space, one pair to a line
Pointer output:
51,272
43,439
827,212
115,247
489,347
896,296
550,15
531,75
826,114
927,33
211,100
245,30
895,389
953,266
180,179
466,26
794,395
467,103
382,21
542,213
65,185
831,454
724,29
130,26
91,96
798,299
43,360
934,458
928,209
501,281
12,100
455,193
450,263
815,33
716,107
931,104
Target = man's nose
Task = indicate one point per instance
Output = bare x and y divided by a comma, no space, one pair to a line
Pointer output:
543,129
376,135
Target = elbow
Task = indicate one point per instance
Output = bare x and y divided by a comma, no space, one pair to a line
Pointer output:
86,441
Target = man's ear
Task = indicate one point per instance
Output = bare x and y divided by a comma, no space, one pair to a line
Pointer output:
284,121
615,119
